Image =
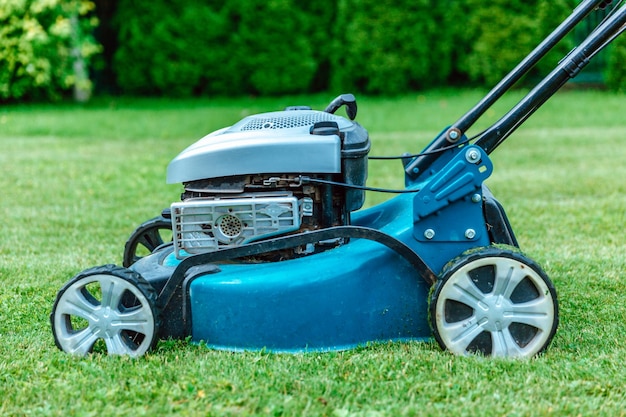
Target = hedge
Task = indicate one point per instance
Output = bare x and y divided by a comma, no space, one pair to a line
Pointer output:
498,34
365,46
386,46
230,47
271,47
616,69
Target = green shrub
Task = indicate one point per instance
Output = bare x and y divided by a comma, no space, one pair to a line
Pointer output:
319,22
496,35
390,46
184,48
616,70
45,47
269,47
169,48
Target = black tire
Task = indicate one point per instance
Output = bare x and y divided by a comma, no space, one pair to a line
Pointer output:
108,308
494,302
146,238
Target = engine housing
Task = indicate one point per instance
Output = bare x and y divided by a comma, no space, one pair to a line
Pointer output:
267,175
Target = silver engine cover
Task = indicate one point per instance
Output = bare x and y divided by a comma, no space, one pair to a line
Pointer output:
208,224
268,142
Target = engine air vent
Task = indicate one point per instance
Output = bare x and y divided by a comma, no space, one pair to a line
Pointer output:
205,225
285,122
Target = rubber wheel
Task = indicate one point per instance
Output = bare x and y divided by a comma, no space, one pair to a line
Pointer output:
105,309
494,302
146,238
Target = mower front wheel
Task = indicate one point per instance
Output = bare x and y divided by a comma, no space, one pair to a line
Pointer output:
494,302
106,308
146,238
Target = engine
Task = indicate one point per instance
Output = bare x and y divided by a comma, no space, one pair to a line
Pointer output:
268,175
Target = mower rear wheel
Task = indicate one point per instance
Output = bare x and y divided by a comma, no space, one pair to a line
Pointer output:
106,308
494,302
146,238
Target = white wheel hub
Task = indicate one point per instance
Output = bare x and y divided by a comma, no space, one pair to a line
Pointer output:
496,305
103,307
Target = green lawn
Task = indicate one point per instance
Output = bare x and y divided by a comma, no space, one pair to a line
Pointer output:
76,180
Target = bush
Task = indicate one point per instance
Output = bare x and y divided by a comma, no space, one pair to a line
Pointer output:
184,48
45,47
171,48
616,71
270,47
390,46
498,34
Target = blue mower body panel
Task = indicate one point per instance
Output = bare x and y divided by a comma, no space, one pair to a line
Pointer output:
365,293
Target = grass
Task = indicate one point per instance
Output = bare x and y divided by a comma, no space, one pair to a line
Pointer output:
78,179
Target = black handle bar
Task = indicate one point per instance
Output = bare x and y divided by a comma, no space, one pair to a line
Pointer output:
568,68
610,29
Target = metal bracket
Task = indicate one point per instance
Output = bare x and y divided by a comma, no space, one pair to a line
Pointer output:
461,177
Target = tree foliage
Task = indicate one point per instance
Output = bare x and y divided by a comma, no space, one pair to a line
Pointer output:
271,47
43,44
616,70
498,34
182,47
391,46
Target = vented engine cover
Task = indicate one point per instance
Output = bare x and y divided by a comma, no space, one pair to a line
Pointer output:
268,142
205,225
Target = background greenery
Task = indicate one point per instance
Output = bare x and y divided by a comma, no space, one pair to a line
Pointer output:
41,44
77,179
186,48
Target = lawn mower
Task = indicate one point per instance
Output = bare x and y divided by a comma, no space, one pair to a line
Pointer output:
269,247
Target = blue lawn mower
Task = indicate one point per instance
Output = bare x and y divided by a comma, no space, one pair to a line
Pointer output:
269,247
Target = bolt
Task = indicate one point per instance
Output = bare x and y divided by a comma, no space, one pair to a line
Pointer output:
476,198
472,155
453,134
429,234
470,233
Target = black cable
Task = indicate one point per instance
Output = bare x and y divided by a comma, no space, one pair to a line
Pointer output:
433,152
305,180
